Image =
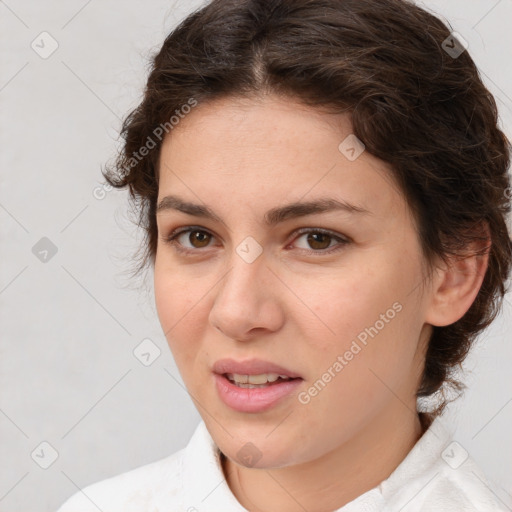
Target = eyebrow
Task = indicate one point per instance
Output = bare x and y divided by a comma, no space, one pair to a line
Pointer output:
272,217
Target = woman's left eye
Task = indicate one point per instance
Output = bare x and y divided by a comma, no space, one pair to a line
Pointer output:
319,240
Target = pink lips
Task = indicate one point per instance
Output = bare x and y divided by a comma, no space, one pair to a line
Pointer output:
251,367
257,399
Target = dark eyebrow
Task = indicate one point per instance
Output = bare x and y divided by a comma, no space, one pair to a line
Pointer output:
272,217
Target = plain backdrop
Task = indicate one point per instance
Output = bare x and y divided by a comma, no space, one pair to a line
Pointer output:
73,396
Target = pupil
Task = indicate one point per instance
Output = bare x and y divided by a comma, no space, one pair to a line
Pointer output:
200,235
314,241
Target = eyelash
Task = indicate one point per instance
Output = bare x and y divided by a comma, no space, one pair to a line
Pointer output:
171,239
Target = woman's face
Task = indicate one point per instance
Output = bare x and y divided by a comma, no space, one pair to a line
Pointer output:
343,310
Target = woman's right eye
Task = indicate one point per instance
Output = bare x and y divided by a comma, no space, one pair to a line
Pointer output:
194,236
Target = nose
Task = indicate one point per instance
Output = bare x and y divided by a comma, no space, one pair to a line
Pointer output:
248,300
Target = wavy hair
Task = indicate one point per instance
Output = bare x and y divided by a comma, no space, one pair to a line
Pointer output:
414,105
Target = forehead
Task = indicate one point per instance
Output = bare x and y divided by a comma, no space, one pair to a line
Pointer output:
270,150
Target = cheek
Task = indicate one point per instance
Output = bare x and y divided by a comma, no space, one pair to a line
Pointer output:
179,302
366,314
178,292
343,303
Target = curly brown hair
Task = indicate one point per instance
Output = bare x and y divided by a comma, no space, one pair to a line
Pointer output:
414,105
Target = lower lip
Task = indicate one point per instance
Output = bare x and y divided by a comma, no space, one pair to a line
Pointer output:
253,399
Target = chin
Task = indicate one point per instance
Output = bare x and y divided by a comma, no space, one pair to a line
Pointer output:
258,451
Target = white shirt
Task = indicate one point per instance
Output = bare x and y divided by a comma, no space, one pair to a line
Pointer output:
437,475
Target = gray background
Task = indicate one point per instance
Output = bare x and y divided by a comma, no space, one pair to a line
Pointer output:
70,325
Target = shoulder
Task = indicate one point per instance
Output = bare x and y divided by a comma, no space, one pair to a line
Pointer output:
173,483
464,488
439,475
139,489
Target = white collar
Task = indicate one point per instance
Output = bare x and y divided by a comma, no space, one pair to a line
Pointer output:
423,471
204,484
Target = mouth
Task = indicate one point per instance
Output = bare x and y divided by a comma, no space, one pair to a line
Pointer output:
254,385
253,368
263,380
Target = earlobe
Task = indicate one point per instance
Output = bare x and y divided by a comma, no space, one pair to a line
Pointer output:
456,283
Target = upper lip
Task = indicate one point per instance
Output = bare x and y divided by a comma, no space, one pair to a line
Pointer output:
251,367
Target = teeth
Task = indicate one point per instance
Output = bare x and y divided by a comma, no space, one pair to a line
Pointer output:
242,379
262,378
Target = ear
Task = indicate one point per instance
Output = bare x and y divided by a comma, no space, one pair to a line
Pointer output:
456,284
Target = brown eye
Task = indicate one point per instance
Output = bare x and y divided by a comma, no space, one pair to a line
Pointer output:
187,240
319,240
201,237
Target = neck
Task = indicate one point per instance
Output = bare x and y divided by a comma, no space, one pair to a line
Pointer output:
337,477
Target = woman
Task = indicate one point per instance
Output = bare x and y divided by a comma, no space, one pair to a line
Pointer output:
324,187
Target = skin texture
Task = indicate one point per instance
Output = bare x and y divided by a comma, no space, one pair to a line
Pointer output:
297,305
